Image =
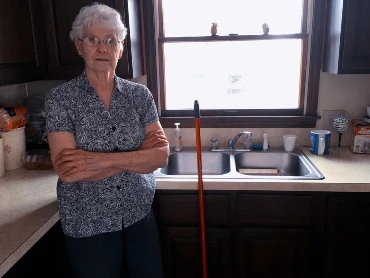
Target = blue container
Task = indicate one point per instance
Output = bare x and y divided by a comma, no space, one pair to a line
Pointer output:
320,142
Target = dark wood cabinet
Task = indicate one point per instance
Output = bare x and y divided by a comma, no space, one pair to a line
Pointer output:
22,48
181,254
178,221
35,42
348,237
248,234
64,61
272,210
347,42
274,235
183,210
267,252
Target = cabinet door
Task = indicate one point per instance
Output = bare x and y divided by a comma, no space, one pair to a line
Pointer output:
272,253
347,47
181,252
22,55
64,61
348,237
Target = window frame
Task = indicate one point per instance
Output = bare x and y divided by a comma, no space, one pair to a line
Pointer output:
303,117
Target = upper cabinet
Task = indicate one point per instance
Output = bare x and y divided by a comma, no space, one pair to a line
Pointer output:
347,43
35,41
21,42
64,61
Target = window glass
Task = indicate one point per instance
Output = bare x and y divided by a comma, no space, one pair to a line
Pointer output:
244,17
233,75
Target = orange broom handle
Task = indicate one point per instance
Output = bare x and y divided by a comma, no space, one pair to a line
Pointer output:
200,188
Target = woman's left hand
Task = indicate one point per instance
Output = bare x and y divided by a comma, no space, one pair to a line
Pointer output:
153,139
71,161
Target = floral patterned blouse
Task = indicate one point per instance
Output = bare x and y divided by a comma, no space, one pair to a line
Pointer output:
90,208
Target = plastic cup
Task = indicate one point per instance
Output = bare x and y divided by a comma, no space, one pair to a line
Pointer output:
289,142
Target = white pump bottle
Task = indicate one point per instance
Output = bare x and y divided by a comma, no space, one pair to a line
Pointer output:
178,139
265,147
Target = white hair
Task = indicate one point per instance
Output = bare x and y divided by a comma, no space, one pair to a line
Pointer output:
99,15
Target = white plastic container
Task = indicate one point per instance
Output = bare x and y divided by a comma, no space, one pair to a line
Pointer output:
14,148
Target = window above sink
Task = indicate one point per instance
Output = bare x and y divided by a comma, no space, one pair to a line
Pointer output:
248,80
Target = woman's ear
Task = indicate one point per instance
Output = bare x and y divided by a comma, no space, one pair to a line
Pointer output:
121,49
78,46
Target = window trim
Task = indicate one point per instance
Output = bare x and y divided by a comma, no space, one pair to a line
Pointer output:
304,117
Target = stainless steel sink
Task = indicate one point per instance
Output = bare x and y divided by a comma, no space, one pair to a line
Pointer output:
185,163
274,164
234,164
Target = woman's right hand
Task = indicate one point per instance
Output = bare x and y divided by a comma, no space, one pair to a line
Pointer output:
154,139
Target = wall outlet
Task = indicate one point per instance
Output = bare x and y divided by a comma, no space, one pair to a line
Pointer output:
328,117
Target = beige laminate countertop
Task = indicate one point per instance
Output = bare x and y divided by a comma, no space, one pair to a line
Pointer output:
28,207
344,172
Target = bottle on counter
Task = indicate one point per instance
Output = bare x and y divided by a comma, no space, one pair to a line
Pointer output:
265,147
178,140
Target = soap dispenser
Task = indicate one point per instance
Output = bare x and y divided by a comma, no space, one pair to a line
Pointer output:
178,140
265,147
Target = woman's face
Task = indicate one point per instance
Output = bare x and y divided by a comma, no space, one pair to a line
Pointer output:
100,49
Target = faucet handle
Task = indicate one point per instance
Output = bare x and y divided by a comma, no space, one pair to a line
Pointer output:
230,143
248,142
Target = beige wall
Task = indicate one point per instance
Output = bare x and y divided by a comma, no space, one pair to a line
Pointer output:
348,92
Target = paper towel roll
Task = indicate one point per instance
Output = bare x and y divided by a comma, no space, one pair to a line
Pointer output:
14,148
2,168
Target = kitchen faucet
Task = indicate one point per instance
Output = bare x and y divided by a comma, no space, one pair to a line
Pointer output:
232,142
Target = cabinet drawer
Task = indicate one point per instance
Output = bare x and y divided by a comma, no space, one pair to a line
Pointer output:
183,210
274,210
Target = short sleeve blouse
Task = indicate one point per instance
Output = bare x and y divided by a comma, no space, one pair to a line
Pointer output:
90,208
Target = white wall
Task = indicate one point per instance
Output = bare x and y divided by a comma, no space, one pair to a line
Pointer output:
348,92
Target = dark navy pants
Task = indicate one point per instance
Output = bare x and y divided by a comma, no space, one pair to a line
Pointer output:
134,251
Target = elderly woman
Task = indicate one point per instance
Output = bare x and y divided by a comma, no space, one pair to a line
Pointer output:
105,143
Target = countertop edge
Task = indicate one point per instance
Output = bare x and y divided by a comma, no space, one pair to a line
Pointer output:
25,246
267,186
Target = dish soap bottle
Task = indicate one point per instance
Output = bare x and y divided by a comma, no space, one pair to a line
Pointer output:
178,140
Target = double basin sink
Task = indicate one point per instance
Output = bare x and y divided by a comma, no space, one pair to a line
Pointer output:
237,164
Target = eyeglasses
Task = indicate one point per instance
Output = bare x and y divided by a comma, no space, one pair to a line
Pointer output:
94,42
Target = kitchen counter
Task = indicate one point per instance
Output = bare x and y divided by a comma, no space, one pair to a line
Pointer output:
28,207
